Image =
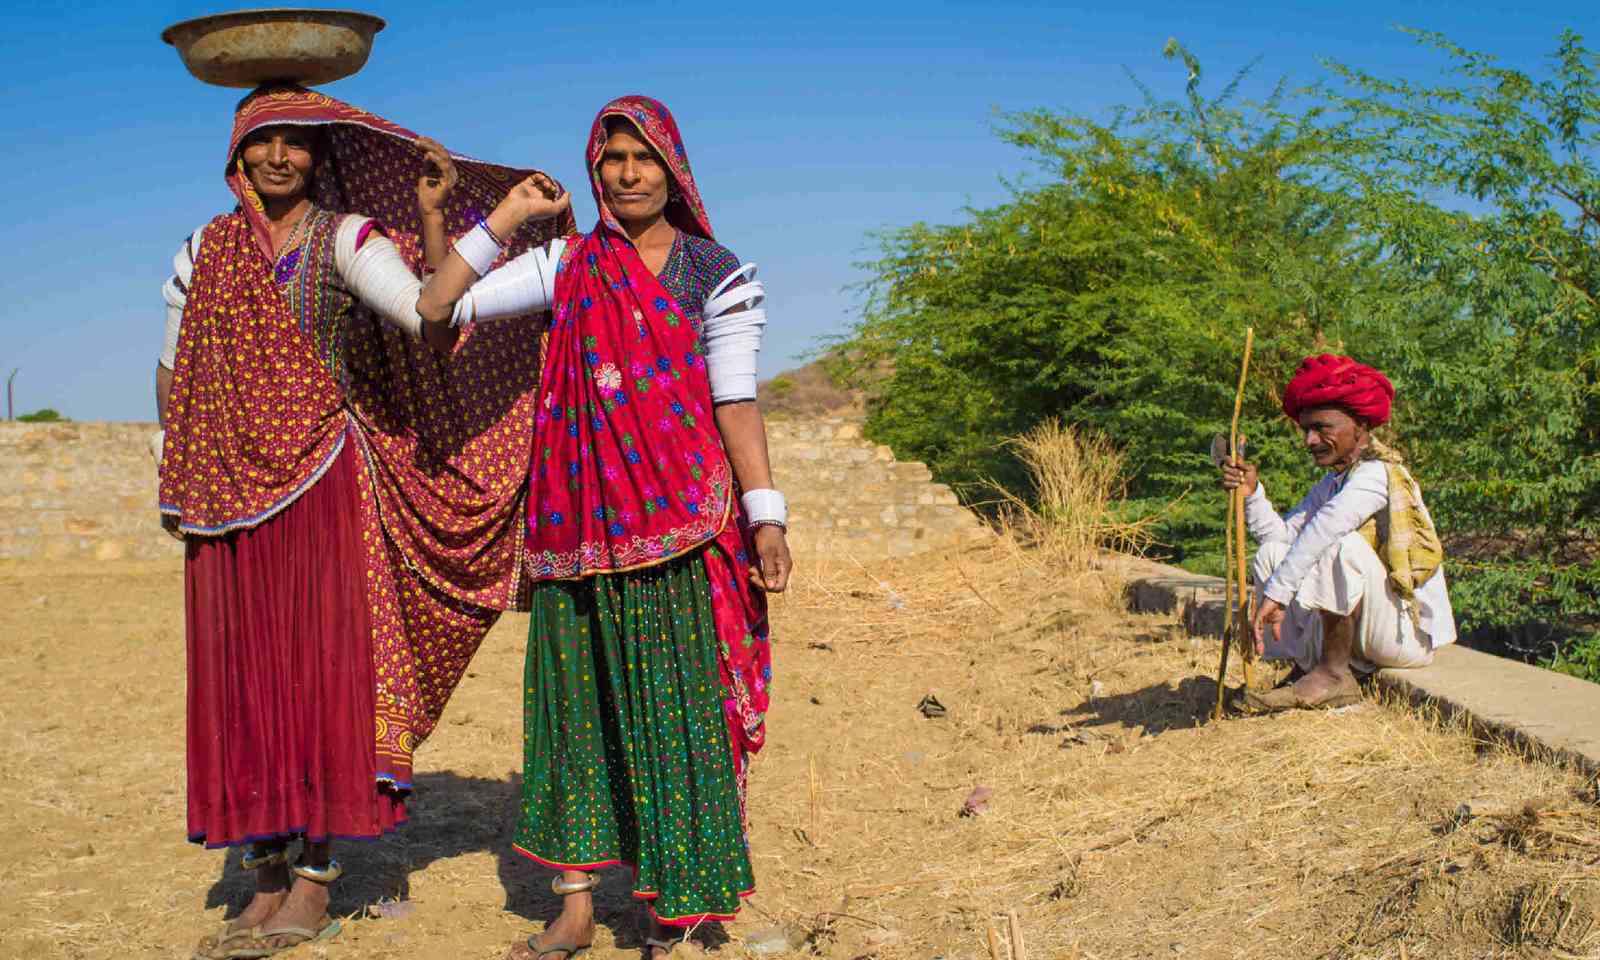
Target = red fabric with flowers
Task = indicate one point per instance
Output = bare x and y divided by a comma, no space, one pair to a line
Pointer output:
628,465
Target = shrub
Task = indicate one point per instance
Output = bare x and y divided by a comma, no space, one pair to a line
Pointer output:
45,415
1446,234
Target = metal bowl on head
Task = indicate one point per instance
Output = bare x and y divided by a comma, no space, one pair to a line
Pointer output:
247,48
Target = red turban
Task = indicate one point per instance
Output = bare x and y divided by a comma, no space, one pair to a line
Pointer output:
1331,381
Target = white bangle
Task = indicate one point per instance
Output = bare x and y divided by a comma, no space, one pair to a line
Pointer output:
479,248
765,506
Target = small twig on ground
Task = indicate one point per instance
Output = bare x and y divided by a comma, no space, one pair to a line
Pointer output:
1015,927
971,586
994,944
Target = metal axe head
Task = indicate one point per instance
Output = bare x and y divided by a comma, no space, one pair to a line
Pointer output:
1219,449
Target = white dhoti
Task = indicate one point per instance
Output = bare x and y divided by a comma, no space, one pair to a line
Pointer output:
1347,575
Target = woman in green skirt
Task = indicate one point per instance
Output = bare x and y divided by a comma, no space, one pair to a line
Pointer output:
653,534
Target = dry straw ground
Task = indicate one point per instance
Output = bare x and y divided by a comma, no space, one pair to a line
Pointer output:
1120,823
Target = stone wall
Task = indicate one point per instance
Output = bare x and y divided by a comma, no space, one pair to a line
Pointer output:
88,491
79,490
851,496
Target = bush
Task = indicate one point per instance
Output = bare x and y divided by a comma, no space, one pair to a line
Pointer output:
1114,294
45,415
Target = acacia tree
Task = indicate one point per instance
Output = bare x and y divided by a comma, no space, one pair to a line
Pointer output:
1444,233
1115,294
1485,190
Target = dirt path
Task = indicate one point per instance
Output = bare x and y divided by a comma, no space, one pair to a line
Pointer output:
1119,825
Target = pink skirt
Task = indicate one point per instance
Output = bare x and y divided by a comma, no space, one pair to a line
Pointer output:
281,687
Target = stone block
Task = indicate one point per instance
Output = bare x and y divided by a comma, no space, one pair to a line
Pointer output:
912,471
84,527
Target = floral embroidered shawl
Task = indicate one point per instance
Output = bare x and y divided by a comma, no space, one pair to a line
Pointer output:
276,368
629,468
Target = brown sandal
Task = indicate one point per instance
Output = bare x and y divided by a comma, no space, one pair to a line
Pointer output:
1285,698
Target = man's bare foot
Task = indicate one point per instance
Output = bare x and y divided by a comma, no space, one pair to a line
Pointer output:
574,927
1323,682
1322,687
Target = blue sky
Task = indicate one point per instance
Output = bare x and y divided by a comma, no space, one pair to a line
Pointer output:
810,126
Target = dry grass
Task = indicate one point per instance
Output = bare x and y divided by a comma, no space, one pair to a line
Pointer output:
1071,522
1121,824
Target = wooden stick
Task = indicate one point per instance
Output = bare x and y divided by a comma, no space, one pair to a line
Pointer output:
1234,628
815,790
1227,616
1247,647
1015,927
994,944
1247,640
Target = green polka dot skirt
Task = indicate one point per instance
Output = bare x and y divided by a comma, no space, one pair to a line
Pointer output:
626,750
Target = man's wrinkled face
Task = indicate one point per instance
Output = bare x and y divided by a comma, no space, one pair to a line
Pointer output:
1333,437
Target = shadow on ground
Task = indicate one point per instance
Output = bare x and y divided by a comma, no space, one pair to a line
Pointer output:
451,816
1151,710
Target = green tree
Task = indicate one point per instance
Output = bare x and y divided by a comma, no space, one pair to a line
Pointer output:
1445,233
46,415
1503,413
1115,294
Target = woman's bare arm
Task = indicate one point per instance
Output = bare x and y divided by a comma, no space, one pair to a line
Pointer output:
536,198
744,436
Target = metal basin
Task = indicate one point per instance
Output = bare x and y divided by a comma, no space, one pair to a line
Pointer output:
249,47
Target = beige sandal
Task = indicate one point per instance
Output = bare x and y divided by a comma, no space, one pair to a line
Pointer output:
300,935
326,929
215,946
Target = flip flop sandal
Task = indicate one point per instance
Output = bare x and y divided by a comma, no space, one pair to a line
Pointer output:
651,943
300,935
210,947
567,950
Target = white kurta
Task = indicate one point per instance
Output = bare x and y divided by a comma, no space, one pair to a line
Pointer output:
1312,559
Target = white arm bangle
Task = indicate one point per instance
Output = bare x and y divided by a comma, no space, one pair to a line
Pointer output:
521,286
378,276
478,248
765,506
734,317
176,294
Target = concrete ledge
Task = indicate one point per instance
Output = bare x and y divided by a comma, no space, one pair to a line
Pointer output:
1198,601
1526,705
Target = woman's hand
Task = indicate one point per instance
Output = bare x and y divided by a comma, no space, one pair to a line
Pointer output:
772,557
1239,475
439,178
536,198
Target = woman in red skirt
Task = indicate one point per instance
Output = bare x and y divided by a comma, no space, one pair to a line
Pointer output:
352,500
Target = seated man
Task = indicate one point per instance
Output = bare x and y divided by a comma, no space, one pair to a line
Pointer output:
1352,578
